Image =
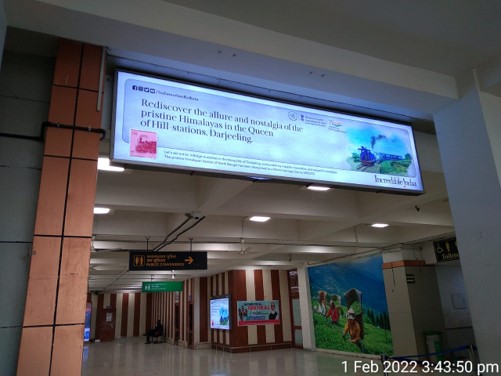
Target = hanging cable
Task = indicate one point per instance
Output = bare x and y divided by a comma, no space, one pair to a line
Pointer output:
166,241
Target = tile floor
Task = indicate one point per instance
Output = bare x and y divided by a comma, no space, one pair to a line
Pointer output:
132,357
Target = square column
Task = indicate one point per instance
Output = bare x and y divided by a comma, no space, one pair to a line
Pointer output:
466,131
54,317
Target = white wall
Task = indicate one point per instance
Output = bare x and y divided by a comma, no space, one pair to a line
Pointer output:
473,186
492,113
457,319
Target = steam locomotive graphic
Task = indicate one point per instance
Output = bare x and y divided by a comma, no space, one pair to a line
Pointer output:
143,144
368,158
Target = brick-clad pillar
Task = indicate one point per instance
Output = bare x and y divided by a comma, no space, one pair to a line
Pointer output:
53,326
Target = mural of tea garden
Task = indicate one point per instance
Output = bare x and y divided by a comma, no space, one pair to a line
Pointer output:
350,311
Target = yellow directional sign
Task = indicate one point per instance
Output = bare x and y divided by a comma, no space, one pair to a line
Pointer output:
167,260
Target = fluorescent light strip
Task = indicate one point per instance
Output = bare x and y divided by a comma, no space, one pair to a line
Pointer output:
103,164
258,218
379,225
101,210
318,188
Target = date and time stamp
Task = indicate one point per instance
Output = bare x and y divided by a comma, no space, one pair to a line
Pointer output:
392,367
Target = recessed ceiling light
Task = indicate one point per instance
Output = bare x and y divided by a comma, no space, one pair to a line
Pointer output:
319,188
101,210
379,225
258,218
103,164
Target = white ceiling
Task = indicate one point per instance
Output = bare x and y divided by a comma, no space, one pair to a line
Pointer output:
391,58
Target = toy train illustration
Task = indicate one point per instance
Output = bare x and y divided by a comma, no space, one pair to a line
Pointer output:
368,158
145,146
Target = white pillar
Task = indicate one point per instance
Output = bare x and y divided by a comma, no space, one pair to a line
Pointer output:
468,135
305,307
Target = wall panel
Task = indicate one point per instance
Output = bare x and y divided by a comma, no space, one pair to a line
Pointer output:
131,313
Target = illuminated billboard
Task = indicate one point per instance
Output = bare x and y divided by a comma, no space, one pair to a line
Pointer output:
220,312
165,123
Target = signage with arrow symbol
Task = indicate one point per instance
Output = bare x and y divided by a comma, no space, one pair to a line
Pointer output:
144,261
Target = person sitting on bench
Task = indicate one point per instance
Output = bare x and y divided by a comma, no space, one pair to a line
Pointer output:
157,331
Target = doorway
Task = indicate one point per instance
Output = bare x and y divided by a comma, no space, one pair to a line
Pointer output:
107,324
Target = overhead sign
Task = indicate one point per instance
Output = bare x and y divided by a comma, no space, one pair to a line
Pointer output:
162,286
164,123
446,250
146,261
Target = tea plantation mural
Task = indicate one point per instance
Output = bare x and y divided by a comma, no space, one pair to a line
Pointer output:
350,312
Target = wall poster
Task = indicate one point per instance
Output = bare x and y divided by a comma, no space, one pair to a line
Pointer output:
259,312
350,311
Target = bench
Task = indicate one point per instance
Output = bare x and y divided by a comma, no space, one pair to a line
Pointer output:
158,338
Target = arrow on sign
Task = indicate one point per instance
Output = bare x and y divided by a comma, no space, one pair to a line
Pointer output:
189,260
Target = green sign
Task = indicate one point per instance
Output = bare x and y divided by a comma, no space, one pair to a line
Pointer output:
162,286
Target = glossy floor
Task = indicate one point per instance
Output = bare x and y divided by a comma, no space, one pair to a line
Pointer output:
132,357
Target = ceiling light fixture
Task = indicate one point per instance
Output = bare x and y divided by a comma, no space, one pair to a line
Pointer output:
379,225
101,210
258,218
103,164
318,188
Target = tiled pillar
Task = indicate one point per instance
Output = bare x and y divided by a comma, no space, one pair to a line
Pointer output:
52,336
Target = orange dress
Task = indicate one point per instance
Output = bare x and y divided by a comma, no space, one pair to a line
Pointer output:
353,327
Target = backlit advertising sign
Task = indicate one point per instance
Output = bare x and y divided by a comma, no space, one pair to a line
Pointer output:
165,123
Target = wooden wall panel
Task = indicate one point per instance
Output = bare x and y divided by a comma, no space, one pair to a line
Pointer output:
64,211
275,288
149,309
67,350
52,197
125,314
238,291
81,148
67,69
64,112
137,313
89,76
81,197
259,295
87,114
42,285
58,142
204,310
242,285
34,352
131,317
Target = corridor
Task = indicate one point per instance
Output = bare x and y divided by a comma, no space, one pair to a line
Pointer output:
132,357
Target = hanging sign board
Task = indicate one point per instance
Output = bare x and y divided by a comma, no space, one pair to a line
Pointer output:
146,261
165,123
162,286
446,250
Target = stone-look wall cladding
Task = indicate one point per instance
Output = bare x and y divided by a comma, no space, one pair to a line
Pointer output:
52,334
